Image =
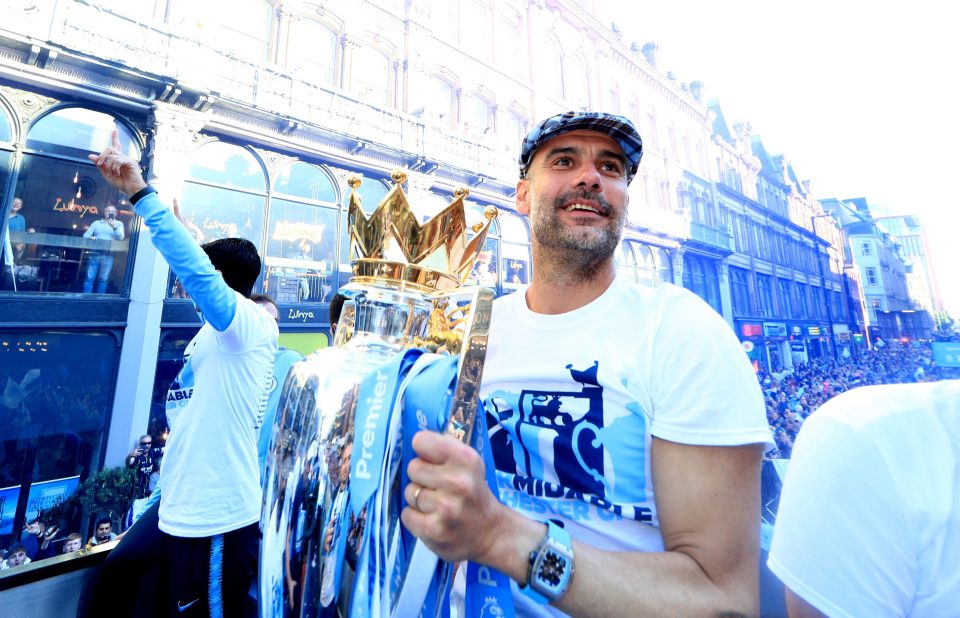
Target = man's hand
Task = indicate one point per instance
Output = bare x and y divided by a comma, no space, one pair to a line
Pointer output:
449,505
119,170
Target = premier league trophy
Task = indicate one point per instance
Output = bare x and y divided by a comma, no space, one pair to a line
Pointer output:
333,544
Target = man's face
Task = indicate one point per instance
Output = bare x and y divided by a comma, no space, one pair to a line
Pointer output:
33,528
71,545
17,204
103,532
17,558
576,196
110,212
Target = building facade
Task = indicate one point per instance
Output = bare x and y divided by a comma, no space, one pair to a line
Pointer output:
890,311
253,119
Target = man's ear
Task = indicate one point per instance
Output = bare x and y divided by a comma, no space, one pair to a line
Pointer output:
523,196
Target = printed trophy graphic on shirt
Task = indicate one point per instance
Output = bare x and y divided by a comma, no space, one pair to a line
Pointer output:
568,424
333,544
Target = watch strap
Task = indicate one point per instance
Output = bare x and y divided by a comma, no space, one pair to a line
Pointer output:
556,534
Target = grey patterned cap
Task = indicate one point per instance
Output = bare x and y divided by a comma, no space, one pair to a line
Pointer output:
617,127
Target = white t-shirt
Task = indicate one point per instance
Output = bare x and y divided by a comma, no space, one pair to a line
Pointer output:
573,401
869,519
210,477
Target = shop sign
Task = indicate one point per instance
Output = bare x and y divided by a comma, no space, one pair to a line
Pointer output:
294,230
774,329
843,336
300,316
796,331
858,338
841,328
224,230
796,346
748,346
813,331
751,330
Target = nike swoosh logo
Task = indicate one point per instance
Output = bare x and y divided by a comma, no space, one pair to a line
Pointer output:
183,608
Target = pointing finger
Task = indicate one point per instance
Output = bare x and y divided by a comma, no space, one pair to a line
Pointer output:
116,140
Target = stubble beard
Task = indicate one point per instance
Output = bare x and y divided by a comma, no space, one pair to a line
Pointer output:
580,251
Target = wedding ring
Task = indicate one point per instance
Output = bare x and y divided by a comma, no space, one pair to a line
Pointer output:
416,498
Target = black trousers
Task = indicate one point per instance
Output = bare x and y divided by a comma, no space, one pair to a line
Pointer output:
211,576
151,574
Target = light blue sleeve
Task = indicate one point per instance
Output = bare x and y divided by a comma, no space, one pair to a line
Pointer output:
189,263
153,499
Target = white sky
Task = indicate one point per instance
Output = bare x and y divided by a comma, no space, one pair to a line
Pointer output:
860,95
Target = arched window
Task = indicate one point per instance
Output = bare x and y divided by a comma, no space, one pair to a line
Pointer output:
553,69
646,266
371,192
484,270
511,129
664,266
224,196
510,39
312,52
438,100
71,230
625,261
576,90
477,115
515,247
6,127
475,27
301,256
370,76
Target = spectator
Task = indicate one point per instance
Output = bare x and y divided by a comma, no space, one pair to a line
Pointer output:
73,542
144,458
34,537
336,308
103,533
16,556
100,261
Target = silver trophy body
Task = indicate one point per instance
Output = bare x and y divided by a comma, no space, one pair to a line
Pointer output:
306,512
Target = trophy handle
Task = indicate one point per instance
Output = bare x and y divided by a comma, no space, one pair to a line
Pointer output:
474,328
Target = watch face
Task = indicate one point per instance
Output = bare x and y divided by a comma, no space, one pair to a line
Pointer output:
552,569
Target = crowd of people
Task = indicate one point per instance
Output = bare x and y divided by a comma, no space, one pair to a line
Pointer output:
41,540
792,396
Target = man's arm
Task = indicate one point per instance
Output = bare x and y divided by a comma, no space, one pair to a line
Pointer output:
89,231
187,260
118,231
708,503
798,608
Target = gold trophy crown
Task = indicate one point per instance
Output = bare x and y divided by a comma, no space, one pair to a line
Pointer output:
391,247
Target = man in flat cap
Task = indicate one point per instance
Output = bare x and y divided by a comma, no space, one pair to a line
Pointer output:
626,424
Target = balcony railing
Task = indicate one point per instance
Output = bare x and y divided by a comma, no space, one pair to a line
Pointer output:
709,235
157,49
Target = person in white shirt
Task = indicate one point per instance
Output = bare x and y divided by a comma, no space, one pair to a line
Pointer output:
100,260
627,421
869,518
209,485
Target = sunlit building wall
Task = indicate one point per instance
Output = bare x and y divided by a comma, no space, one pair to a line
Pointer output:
254,114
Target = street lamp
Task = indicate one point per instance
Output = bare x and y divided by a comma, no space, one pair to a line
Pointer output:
823,283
